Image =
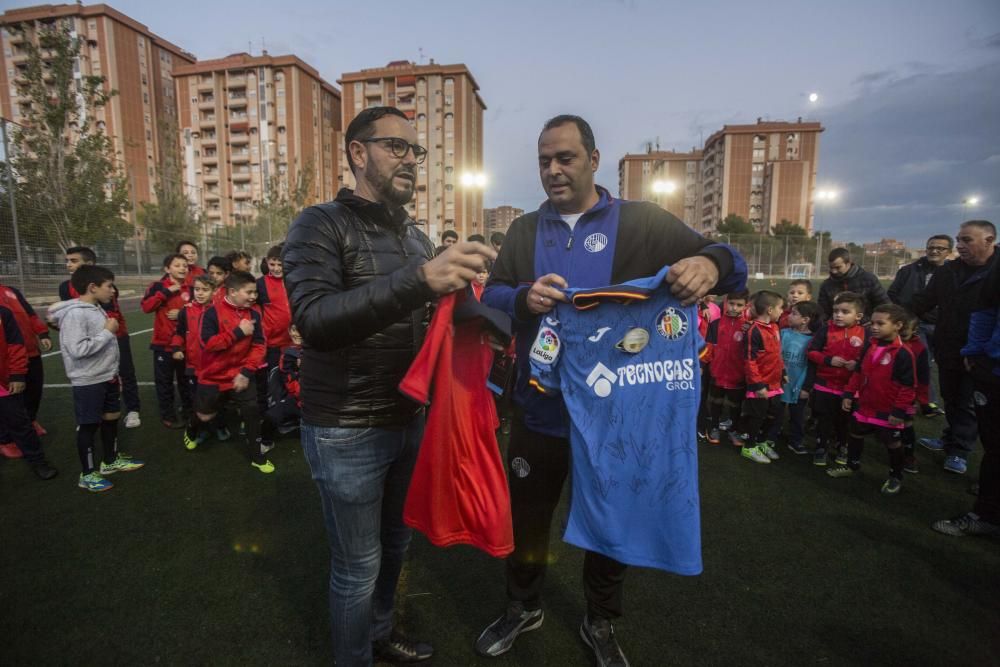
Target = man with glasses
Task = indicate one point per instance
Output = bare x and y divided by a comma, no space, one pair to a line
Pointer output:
914,277
956,291
360,276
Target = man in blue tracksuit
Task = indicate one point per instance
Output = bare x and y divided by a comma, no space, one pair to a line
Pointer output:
581,236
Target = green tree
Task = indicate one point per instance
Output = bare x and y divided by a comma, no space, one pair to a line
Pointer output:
282,202
734,224
788,228
173,217
68,175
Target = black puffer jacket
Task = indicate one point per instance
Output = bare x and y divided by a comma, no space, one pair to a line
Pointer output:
858,281
360,303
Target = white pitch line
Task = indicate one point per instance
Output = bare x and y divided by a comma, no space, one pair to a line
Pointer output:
67,386
55,352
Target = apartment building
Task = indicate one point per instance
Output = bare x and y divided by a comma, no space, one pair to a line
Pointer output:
133,60
667,178
499,219
764,173
444,105
245,120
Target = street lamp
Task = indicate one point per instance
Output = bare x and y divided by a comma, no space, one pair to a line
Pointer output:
664,187
813,97
824,197
474,180
971,201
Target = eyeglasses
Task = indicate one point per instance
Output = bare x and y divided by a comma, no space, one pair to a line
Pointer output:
400,147
937,248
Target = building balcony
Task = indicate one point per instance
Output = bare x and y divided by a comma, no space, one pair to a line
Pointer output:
239,138
206,85
238,126
208,140
210,159
210,176
373,91
213,213
241,157
236,81
212,196
207,121
206,103
242,195
241,176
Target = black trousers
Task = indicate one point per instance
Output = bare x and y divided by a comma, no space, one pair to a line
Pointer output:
126,375
719,397
537,466
166,372
758,416
831,429
34,380
986,398
956,391
16,423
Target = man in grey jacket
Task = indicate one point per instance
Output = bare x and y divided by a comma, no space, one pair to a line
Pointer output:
90,355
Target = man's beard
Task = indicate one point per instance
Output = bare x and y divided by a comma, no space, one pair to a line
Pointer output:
389,193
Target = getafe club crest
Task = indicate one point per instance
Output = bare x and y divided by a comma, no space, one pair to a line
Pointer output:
545,350
672,324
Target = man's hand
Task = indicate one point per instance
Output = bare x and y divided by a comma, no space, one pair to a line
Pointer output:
246,326
546,292
178,355
761,393
111,324
240,382
172,314
45,344
15,387
847,404
456,267
691,278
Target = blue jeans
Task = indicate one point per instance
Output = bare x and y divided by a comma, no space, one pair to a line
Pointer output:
363,475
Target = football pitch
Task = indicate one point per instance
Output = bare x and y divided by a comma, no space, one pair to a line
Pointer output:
200,559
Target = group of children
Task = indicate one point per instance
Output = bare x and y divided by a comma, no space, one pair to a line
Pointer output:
766,355
218,335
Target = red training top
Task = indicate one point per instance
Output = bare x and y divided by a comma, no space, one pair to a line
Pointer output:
226,350
725,338
13,358
883,383
273,301
833,341
922,368
30,325
763,365
187,336
458,493
160,299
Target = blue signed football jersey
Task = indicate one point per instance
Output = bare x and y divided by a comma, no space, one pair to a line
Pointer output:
625,360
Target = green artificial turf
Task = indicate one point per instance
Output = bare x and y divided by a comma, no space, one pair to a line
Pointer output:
200,559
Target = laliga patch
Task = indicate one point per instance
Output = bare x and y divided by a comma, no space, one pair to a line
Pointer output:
520,467
545,349
856,342
672,324
980,398
634,341
596,242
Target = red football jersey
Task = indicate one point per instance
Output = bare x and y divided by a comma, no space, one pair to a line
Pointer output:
458,494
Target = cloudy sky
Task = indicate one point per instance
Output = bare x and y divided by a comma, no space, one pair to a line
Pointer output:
909,89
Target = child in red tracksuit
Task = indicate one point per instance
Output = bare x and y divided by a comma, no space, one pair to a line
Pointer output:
833,355
764,370
189,251
14,418
883,386
284,405
166,298
798,291
232,350
272,301
724,356
35,335
922,371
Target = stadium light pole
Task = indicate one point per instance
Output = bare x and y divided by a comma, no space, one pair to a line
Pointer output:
823,197
474,180
664,187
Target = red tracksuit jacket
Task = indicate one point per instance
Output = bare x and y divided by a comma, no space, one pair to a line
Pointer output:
725,357
884,382
160,299
67,292
833,341
763,364
289,369
226,350
13,357
273,301
922,369
187,336
31,326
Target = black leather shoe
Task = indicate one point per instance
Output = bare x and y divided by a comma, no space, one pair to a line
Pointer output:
44,470
398,649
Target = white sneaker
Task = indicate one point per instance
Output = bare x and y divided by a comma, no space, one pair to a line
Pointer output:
132,420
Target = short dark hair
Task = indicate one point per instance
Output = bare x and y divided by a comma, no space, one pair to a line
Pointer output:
805,283
853,298
90,274
83,251
274,252
943,237
738,296
449,234
221,263
497,238
897,314
205,279
238,254
765,299
477,238
363,127
238,279
169,259
985,225
181,244
839,253
808,309
586,133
